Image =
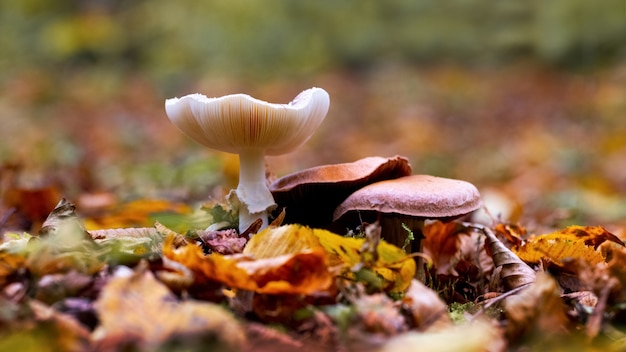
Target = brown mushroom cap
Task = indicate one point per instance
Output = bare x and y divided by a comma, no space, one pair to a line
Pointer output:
419,196
310,196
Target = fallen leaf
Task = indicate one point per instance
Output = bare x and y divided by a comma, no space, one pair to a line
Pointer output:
442,245
393,265
134,307
572,242
63,245
537,312
13,255
478,336
213,267
425,307
378,314
138,213
267,267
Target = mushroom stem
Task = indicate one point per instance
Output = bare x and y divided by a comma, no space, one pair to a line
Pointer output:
254,197
396,234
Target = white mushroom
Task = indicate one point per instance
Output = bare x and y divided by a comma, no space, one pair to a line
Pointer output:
252,128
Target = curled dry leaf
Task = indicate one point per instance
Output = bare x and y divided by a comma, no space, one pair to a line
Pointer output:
513,271
135,308
572,242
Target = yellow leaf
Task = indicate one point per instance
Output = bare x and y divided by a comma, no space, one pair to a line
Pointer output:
293,259
572,242
393,265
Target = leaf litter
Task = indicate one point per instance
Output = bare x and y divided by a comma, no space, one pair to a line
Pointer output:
140,284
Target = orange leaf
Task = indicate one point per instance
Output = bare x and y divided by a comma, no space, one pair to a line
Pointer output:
572,242
297,273
442,245
133,214
276,261
214,267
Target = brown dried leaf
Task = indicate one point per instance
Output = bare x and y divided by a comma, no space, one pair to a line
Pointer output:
69,334
512,270
478,336
537,311
425,306
378,314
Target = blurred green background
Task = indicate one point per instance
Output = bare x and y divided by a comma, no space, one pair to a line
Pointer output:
523,98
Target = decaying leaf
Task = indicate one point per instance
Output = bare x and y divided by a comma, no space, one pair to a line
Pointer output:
377,313
572,242
425,307
537,312
478,336
40,328
226,241
135,309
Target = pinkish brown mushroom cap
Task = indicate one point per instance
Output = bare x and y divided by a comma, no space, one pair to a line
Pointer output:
419,196
310,196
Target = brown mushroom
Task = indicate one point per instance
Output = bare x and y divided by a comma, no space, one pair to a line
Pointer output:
310,196
408,200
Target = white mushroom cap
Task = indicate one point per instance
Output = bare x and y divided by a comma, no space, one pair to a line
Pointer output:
420,196
239,122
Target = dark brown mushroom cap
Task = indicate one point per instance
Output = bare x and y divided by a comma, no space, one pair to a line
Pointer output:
420,196
310,196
